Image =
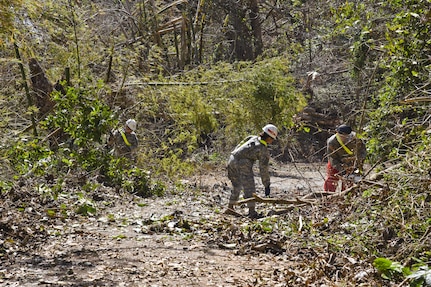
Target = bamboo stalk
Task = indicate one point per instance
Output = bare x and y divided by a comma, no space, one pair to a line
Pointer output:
27,90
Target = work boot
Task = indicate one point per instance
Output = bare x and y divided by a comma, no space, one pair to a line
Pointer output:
253,214
230,210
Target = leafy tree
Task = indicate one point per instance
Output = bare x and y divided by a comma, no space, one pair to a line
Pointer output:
8,10
407,66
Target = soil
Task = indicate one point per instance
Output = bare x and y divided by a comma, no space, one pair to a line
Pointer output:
168,241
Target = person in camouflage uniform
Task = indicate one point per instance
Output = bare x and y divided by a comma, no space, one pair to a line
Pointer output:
240,167
346,154
125,140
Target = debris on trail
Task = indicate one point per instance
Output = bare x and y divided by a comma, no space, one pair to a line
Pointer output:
169,240
257,198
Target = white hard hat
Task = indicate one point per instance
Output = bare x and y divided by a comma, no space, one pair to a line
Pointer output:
131,123
271,130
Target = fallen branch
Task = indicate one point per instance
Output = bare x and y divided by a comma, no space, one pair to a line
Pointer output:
284,211
308,199
257,198
343,192
326,194
380,174
51,134
370,182
317,194
230,211
416,100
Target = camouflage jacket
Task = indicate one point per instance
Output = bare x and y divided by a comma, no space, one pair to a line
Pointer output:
250,150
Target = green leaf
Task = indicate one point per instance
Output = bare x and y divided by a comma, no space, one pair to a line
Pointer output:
50,212
382,263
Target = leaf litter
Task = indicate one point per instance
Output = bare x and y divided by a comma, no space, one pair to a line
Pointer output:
181,239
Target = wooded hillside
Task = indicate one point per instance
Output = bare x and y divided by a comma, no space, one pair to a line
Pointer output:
198,76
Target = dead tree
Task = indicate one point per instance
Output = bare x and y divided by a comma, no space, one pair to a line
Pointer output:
41,92
41,88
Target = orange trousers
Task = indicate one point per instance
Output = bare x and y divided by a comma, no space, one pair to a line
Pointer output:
331,181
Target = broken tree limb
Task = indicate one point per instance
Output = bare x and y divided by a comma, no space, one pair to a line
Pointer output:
308,199
326,194
230,211
257,198
380,174
284,211
375,183
317,194
51,134
343,192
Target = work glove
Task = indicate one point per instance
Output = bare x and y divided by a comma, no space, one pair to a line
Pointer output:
267,190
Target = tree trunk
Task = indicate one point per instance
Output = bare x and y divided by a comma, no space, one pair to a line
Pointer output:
256,27
41,88
241,37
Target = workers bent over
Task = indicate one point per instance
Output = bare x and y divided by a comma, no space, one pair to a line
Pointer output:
125,140
240,167
346,154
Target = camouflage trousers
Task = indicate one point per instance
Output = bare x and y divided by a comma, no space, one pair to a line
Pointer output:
240,173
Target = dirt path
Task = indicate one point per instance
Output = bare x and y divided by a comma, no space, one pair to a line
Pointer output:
141,242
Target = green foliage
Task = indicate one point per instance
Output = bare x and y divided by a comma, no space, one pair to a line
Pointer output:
121,174
408,68
389,269
273,97
137,181
5,186
200,113
211,108
85,209
85,206
420,277
347,16
409,46
46,191
7,11
81,120
81,115
194,117
261,227
29,155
